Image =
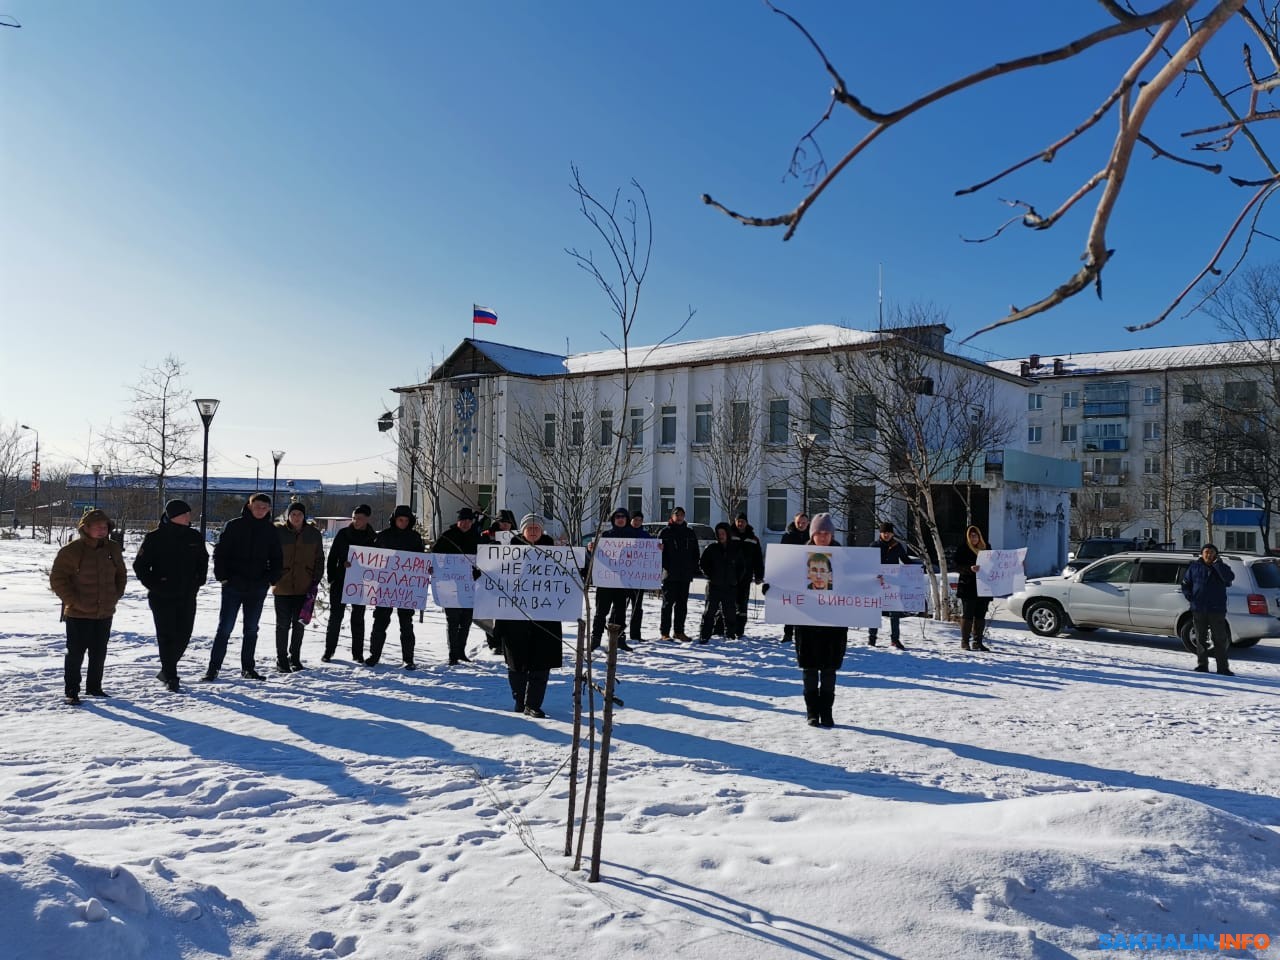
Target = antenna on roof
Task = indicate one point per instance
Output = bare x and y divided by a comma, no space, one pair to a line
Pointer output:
880,294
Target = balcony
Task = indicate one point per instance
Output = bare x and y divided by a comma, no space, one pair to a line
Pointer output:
1106,408
1104,444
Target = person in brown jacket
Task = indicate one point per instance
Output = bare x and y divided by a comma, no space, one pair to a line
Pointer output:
302,547
88,576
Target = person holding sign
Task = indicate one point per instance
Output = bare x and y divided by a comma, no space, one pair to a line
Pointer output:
636,597
892,551
400,535
358,533
611,602
462,537
679,567
723,566
973,608
797,534
532,648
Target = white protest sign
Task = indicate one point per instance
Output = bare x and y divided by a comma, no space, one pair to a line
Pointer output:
386,578
1000,572
503,536
904,588
544,583
823,586
452,581
634,563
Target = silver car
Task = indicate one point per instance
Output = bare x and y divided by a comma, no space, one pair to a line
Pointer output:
1140,592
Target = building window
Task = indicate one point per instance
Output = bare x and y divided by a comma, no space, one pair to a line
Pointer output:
577,429
549,430
776,510
740,421
606,428
1191,467
606,508
1033,434
1244,541
417,434
1070,432
1192,393
1150,396
702,505
779,421
637,427
635,499
484,498
666,502
1071,398
668,426
1188,501
1151,465
864,418
1191,539
1110,500
819,501
702,423
548,502
1035,401
1240,394
1151,430
739,506
1151,534
1151,501
820,417
1192,429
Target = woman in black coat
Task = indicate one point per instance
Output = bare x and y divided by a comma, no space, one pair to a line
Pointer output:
973,608
532,648
797,534
820,650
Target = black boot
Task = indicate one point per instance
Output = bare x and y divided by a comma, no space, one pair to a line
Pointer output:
978,626
811,708
826,700
966,631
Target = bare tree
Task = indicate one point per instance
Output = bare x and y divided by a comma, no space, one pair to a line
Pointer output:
1169,46
157,435
13,452
729,462
908,422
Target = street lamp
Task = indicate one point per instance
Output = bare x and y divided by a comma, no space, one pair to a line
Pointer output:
207,409
257,470
35,484
97,472
805,442
277,456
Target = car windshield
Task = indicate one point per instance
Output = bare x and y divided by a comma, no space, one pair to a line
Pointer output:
1266,573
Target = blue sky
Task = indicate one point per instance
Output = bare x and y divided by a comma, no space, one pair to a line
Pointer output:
303,200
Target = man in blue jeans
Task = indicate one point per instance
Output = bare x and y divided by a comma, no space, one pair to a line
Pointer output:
247,560
1205,586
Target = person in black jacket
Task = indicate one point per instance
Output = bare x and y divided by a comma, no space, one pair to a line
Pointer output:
752,569
635,598
679,567
1205,587
532,648
173,565
462,537
892,550
247,560
722,564
820,650
611,602
400,535
973,608
358,533
797,534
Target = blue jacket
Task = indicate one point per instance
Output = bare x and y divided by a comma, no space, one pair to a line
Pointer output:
1205,585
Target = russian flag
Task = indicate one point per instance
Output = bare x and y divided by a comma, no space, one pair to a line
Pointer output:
483,315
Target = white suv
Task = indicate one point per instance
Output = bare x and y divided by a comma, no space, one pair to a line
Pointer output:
1140,592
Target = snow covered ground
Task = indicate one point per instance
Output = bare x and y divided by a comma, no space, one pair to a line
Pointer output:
1015,804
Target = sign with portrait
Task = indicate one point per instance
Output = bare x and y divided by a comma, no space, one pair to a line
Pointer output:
823,586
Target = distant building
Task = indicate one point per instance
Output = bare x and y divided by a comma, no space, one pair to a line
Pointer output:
135,495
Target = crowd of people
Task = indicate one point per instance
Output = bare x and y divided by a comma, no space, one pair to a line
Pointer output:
256,554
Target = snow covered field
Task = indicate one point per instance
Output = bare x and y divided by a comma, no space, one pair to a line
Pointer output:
1014,804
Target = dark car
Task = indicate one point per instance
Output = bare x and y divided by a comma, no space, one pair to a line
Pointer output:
1095,548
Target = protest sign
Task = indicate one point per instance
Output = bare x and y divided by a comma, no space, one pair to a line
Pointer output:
632,563
904,588
544,583
453,583
823,586
1000,572
386,578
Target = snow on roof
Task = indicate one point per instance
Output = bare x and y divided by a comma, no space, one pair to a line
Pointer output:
1148,358
818,336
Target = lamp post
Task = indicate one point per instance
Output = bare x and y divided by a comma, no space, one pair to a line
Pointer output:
277,456
207,409
35,483
97,472
805,442
257,470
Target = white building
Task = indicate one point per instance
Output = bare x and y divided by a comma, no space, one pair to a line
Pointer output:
1131,418
493,424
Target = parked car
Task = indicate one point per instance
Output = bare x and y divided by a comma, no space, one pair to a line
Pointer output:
1140,592
1095,548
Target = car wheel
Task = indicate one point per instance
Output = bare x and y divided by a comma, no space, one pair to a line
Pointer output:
1045,618
1249,642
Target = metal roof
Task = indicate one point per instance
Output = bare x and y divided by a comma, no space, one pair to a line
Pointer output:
1184,357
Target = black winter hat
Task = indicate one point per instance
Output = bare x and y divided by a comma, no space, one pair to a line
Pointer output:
260,498
886,527
466,513
299,506
742,516
403,511
176,508
363,508
622,512
637,515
